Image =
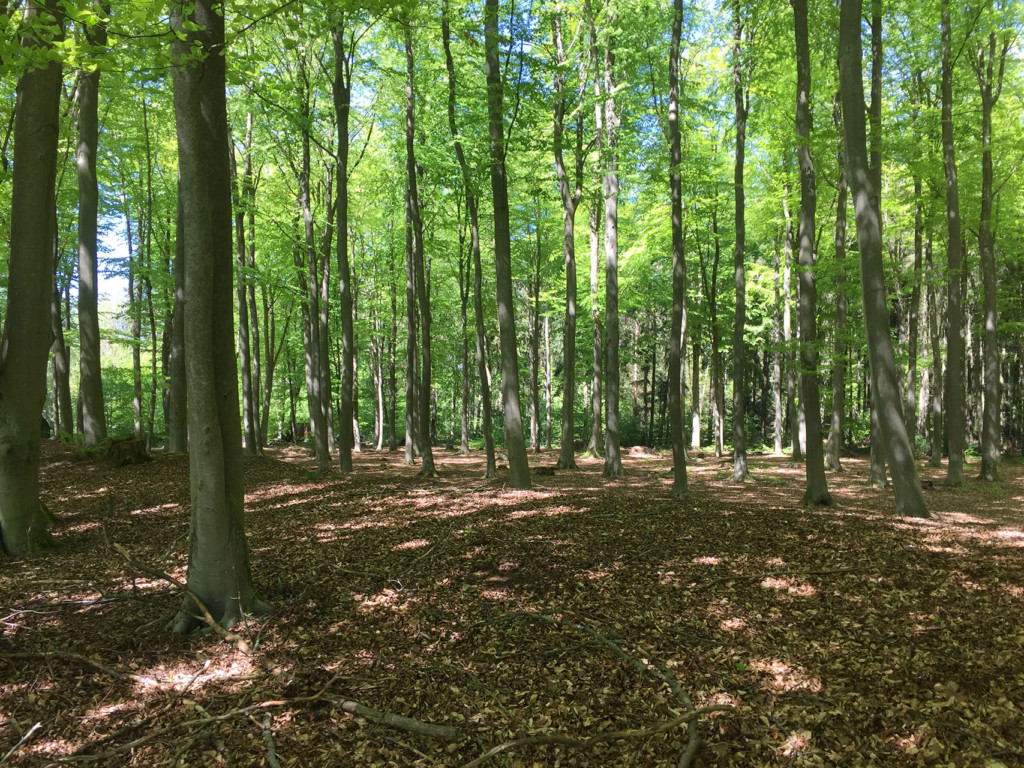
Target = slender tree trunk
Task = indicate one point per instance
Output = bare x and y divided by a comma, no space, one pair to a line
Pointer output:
955,421
534,326
777,427
89,364
717,365
426,447
412,427
597,375
65,424
177,427
817,487
990,82
218,566
739,351
610,185
254,327
909,500
464,289
835,435
474,241
515,445
913,322
249,424
792,407
547,382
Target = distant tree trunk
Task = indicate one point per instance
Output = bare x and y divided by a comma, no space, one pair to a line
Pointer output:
835,434
90,385
913,323
344,58
177,426
990,82
65,424
909,500
27,333
464,289
817,487
955,421
249,423
570,203
323,307
426,448
254,326
777,428
533,314
412,427
474,241
717,366
677,341
218,566
792,408
515,444
739,351
547,382
610,185
597,375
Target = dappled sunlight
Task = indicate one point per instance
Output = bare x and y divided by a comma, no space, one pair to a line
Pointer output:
790,586
783,677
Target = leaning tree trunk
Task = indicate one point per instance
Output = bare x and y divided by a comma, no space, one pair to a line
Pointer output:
27,334
885,385
739,351
676,340
817,487
515,444
955,422
218,564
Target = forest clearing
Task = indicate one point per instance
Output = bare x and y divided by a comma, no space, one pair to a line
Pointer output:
841,636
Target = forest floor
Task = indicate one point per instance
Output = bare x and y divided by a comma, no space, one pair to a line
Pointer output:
583,608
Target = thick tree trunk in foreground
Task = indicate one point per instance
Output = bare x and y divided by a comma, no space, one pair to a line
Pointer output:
817,487
885,386
676,340
739,350
515,444
218,565
27,333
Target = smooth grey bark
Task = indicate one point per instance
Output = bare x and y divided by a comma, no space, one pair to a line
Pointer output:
777,426
27,334
610,186
547,382
717,364
914,319
134,313
465,276
472,209
741,98
218,563
835,435
534,321
344,57
515,444
989,68
423,296
816,492
177,422
412,430
677,340
885,385
936,378
89,364
955,419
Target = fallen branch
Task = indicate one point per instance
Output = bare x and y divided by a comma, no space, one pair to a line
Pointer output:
68,656
24,738
584,744
268,741
432,730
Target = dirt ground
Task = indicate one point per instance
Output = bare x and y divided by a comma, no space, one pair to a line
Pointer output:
574,624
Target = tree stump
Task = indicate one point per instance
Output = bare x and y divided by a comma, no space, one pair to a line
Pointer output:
125,451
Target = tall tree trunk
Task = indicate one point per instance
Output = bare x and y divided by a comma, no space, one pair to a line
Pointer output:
990,82
885,385
425,390
913,322
717,366
739,351
464,289
177,426
412,426
534,330
778,431
135,313
218,565
955,421
597,346
249,424
254,327
876,473
570,203
792,407
474,244
344,58
515,445
547,382
817,487
835,434
610,185
90,385
677,341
